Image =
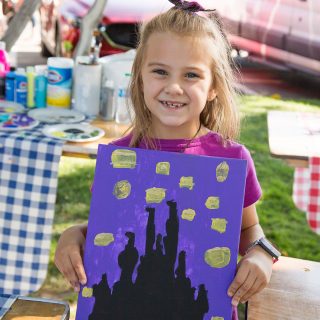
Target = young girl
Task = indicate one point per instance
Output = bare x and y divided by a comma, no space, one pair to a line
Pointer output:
184,101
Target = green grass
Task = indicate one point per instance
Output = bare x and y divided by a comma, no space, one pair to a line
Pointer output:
282,222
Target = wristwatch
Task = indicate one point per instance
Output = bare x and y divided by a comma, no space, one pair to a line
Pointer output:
266,246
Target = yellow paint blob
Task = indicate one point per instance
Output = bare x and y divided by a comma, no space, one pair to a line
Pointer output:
163,168
219,225
122,158
155,195
103,239
222,171
122,189
217,257
188,214
217,318
59,134
186,182
87,292
213,203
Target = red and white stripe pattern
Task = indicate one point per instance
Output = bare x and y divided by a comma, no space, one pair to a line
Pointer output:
306,192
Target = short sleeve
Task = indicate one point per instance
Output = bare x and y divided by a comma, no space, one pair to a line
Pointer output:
253,190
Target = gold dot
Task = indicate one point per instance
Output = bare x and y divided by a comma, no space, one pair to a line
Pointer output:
155,195
163,168
87,292
217,257
188,214
213,203
222,171
103,239
122,158
122,189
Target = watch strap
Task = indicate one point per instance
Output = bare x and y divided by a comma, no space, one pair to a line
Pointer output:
267,246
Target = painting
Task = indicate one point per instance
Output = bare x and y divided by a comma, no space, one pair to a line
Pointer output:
163,236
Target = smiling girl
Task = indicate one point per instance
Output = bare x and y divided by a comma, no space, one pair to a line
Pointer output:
182,91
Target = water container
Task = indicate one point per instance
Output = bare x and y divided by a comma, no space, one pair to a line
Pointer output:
107,101
59,82
124,112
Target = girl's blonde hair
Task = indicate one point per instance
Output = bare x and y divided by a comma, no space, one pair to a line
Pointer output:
219,115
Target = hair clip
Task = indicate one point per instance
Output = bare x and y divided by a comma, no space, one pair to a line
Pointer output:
190,6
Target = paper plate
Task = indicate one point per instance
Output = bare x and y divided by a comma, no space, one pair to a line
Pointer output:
74,132
10,107
16,121
58,115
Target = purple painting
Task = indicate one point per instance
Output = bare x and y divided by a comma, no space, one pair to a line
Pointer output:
163,236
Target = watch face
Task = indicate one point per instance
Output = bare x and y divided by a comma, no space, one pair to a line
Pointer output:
266,245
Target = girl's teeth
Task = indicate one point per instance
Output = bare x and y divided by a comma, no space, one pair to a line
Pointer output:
173,105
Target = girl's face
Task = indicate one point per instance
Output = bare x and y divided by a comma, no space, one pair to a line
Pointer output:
177,83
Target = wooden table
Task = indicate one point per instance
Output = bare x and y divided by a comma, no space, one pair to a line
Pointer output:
294,136
292,294
89,149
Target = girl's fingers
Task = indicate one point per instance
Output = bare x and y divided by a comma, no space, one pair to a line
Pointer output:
76,261
237,282
243,289
256,288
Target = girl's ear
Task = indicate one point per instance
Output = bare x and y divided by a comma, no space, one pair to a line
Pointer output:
211,94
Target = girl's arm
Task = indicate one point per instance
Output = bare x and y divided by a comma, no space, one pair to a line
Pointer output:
69,252
255,268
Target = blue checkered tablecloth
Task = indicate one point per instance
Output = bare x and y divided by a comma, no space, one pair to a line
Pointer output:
29,164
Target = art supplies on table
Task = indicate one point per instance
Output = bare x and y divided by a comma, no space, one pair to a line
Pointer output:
20,307
56,116
76,132
40,86
10,107
87,85
163,235
59,82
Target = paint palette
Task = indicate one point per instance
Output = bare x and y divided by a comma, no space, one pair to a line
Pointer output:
55,116
16,121
10,107
74,132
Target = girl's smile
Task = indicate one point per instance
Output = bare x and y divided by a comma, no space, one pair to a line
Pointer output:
177,83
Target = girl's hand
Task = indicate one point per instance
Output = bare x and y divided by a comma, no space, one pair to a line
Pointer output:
253,274
68,256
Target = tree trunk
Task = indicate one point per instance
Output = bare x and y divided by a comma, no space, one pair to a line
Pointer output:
89,22
19,22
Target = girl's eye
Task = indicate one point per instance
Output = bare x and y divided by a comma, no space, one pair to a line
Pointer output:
160,72
192,75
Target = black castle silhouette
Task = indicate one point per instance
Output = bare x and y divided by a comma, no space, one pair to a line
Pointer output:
159,292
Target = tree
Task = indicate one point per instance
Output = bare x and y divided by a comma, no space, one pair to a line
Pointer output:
19,22
89,22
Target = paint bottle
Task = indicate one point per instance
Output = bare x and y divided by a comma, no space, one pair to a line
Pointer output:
2,84
30,82
4,59
40,86
59,82
10,86
124,112
107,101
21,87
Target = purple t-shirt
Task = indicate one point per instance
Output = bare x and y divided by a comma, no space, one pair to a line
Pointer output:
210,145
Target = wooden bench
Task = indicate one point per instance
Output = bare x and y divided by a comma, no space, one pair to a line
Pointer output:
292,294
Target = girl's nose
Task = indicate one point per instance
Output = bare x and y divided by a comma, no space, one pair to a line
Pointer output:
173,88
